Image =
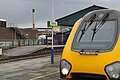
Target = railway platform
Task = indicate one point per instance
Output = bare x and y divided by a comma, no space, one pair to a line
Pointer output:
26,68
26,50
31,69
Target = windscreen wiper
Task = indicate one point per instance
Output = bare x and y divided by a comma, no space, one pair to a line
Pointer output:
94,31
86,27
101,23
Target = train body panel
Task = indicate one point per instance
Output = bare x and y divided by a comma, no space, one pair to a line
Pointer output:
93,62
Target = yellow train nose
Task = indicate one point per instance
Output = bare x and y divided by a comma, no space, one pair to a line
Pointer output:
92,49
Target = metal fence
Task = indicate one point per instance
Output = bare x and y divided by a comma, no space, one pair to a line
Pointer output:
20,42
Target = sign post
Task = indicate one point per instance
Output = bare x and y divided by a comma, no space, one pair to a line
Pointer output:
52,48
52,24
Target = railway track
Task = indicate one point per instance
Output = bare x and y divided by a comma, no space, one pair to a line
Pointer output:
41,53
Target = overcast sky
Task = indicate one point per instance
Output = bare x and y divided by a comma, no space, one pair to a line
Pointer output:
20,11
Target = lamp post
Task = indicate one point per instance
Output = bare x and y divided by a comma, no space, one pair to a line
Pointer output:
52,48
33,18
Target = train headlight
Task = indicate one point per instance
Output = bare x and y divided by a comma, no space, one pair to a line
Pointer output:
65,67
113,71
65,71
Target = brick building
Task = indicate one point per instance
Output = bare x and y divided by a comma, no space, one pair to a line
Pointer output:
29,33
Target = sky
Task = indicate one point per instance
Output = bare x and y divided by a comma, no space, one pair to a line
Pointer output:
19,12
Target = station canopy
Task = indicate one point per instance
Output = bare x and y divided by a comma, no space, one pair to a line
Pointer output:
70,20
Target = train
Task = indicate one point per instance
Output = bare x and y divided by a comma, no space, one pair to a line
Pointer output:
92,51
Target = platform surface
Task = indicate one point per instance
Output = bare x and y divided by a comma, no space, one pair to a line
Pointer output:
25,50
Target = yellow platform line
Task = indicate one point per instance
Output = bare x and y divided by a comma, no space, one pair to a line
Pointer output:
39,77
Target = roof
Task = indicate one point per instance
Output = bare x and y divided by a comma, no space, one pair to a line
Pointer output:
70,20
2,19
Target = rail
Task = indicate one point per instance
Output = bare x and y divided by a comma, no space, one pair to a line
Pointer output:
41,53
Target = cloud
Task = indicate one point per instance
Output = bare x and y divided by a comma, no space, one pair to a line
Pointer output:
20,11
38,24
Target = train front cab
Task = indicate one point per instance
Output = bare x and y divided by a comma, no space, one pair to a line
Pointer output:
92,51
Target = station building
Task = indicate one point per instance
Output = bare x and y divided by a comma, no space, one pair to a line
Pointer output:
67,22
70,20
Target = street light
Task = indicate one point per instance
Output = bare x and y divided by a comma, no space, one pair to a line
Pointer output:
33,18
52,48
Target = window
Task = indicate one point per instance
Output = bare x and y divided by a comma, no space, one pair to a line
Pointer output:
96,36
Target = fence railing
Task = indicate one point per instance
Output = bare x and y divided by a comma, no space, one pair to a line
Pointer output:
20,42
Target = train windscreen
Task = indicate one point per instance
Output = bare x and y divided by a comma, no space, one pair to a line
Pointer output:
98,35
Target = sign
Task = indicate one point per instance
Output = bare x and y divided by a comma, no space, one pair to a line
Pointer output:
51,24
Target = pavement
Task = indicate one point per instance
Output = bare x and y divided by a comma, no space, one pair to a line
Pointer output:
31,69
25,50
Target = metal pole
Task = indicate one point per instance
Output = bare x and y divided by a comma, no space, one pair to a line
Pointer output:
62,36
15,33
33,18
52,48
